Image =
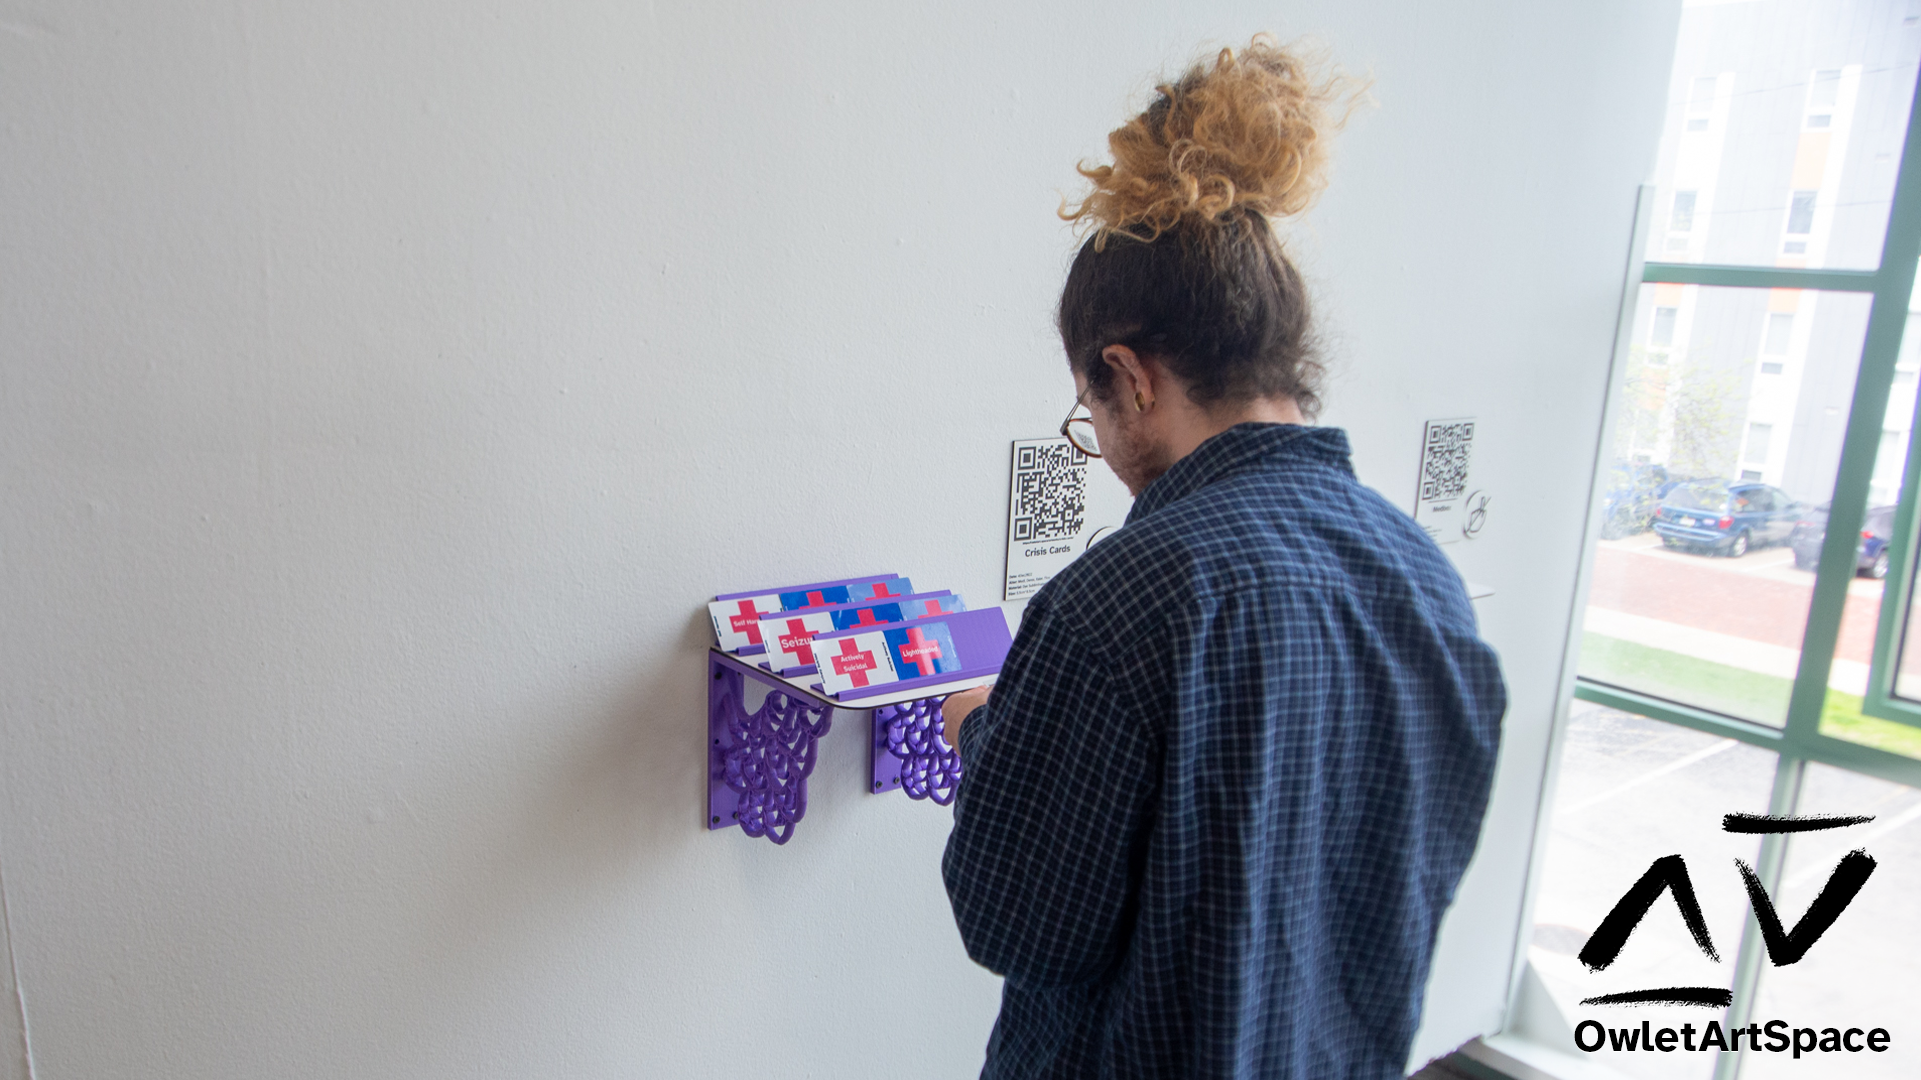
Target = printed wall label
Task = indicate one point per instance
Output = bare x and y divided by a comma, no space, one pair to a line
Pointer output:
1441,493
1059,502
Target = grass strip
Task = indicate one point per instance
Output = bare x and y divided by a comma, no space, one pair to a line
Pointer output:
1701,683
1735,691
1841,718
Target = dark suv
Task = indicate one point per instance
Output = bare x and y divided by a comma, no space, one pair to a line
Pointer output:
1870,558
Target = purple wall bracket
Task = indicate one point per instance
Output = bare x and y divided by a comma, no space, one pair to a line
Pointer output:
909,753
758,762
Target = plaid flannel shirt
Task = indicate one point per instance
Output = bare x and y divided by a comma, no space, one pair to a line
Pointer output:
1232,772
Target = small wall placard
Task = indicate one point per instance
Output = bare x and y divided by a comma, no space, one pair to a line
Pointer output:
1059,503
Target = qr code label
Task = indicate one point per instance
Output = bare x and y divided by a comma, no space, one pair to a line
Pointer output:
1050,492
1444,460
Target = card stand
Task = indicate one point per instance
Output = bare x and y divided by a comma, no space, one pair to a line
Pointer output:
758,762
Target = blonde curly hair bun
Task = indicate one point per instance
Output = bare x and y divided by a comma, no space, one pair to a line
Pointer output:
1244,133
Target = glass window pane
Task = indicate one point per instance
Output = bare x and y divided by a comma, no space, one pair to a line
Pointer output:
1632,790
1907,675
1825,91
1862,972
1715,496
1786,121
1800,212
1780,331
1662,333
1682,219
1701,98
1841,717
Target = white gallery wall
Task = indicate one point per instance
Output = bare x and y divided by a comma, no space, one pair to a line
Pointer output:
384,387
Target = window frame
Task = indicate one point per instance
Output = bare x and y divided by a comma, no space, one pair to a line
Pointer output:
1760,437
1891,287
1799,742
1674,211
1880,700
1799,200
1655,327
1767,334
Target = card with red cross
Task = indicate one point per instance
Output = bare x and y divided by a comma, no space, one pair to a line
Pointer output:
788,634
921,649
736,616
857,660
948,650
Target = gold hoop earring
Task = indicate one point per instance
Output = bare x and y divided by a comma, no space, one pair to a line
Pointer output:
1140,405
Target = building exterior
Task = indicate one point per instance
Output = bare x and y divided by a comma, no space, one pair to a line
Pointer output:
1784,131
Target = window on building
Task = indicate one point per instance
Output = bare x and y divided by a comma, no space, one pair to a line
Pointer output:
1758,443
1779,333
1701,95
1661,334
1824,90
1700,103
1801,213
1682,218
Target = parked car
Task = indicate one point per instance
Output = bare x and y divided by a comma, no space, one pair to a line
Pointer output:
1729,518
1870,558
1633,494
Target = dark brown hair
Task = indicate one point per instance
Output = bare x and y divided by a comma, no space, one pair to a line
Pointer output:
1183,264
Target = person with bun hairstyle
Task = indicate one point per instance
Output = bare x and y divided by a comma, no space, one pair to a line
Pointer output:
1238,756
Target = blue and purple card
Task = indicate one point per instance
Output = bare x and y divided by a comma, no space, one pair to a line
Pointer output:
788,634
926,648
928,605
960,645
736,616
877,657
899,609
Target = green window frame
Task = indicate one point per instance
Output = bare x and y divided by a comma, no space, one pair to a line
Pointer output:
1890,286
1800,741
1897,597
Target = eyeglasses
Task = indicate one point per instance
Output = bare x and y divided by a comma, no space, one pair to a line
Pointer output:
1079,430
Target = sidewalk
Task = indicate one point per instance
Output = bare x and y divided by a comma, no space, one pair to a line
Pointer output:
1747,613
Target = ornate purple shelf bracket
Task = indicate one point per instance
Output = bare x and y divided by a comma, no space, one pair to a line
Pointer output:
758,762
910,754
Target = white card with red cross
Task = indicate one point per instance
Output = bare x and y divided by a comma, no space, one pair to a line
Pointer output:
737,622
856,661
789,637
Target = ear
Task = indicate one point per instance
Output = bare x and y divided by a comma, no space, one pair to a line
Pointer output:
1133,373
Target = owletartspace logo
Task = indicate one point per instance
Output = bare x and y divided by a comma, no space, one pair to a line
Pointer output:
1669,874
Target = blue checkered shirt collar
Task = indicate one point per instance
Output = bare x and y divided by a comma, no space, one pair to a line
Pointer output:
1238,448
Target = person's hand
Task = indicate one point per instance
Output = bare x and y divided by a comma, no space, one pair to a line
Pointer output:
955,709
